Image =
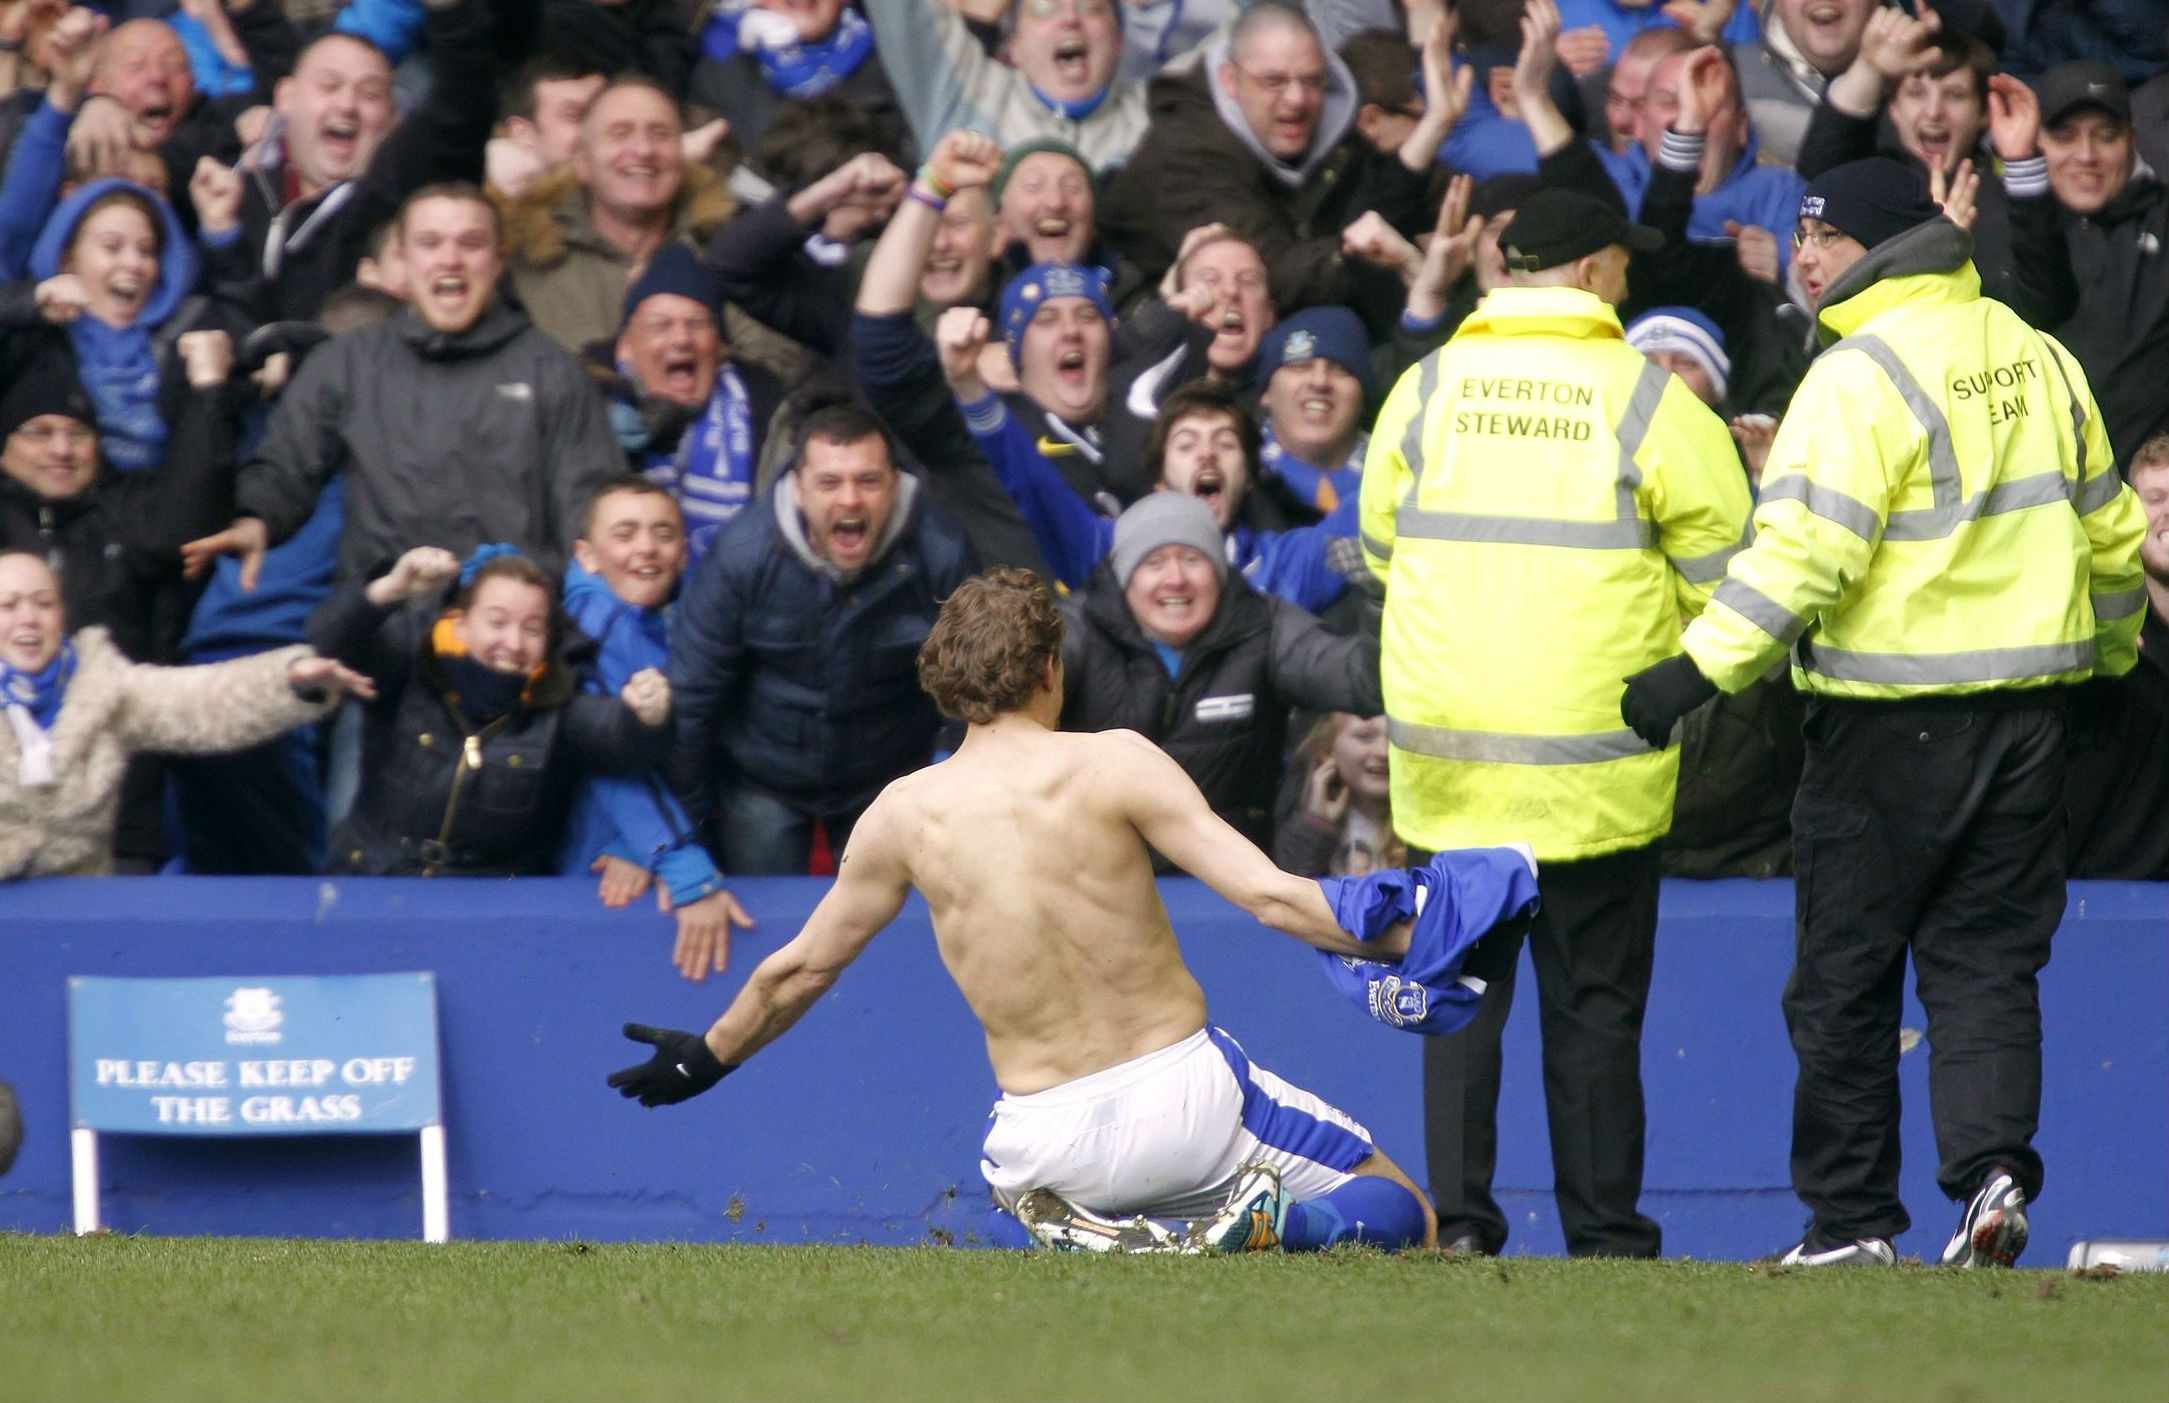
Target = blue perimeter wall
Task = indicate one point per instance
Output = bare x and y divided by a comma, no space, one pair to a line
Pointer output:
863,1123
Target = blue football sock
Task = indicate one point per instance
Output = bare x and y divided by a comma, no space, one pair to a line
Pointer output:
1365,1209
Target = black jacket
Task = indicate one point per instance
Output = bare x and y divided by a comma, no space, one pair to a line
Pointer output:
117,544
492,434
799,682
2120,332
2116,789
1223,716
423,810
760,259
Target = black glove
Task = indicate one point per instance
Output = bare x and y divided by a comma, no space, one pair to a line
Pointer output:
1657,697
681,1068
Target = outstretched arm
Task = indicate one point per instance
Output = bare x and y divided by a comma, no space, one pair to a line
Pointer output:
1164,805
871,883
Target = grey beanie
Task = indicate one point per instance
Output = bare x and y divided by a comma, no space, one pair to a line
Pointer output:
1166,519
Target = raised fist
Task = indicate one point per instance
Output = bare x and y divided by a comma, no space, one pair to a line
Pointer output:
647,694
215,190
959,336
62,298
964,160
419,571
208,357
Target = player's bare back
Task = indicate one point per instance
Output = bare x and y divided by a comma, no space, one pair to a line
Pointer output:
1043,899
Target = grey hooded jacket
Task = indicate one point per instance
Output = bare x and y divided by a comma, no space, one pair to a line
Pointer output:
489,434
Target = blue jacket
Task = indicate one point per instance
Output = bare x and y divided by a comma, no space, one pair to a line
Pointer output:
1621,25
1289,565
805,684
632,817
1767,196
1486,142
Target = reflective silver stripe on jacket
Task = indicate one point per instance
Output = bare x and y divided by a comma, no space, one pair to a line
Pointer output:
1524,530
2097,493
1943,669
1701,569
1505,748
1382,549
1833,506
1943,473
2119,604
2078,425
1412,437
1760,610
1626,531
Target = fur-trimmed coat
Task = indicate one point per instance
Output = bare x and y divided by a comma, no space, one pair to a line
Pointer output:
571,279
115,709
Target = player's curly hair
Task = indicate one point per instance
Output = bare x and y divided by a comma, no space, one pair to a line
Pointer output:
990,645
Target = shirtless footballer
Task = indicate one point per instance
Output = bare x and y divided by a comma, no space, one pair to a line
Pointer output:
1121,1105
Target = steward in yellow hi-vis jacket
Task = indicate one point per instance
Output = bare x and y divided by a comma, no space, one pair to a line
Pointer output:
1547,509
1945,545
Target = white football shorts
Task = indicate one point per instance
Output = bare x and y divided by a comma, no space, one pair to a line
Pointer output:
1164,1134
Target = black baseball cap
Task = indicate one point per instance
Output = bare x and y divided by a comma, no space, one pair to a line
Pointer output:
2070,86
1556,226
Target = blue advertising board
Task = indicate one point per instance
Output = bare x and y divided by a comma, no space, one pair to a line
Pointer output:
275,1055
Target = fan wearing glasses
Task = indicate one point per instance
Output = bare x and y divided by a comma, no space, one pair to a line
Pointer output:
1263,137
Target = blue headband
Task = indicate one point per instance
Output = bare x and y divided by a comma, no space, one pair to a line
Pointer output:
482,556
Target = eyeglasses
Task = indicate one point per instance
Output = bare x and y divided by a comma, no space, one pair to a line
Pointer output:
1818,238
1086,9
664,324
1277,83
74,435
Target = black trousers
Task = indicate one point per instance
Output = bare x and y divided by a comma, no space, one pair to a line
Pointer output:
1591,945
1936,832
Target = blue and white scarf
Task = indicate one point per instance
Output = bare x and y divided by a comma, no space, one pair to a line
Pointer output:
711,474
795,68
32,701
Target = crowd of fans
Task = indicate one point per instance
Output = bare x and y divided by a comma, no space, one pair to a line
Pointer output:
605,393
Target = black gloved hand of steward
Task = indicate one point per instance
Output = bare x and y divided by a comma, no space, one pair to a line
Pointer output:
1657,697
681,1068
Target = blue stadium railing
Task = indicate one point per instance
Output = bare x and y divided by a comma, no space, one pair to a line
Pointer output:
863,1123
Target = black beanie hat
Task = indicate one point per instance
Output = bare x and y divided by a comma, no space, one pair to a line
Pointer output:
1873,200
47,385
674,269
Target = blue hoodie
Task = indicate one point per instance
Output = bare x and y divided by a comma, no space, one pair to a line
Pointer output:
119,365
632,817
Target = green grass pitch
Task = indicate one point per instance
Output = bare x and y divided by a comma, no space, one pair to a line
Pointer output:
115,1319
